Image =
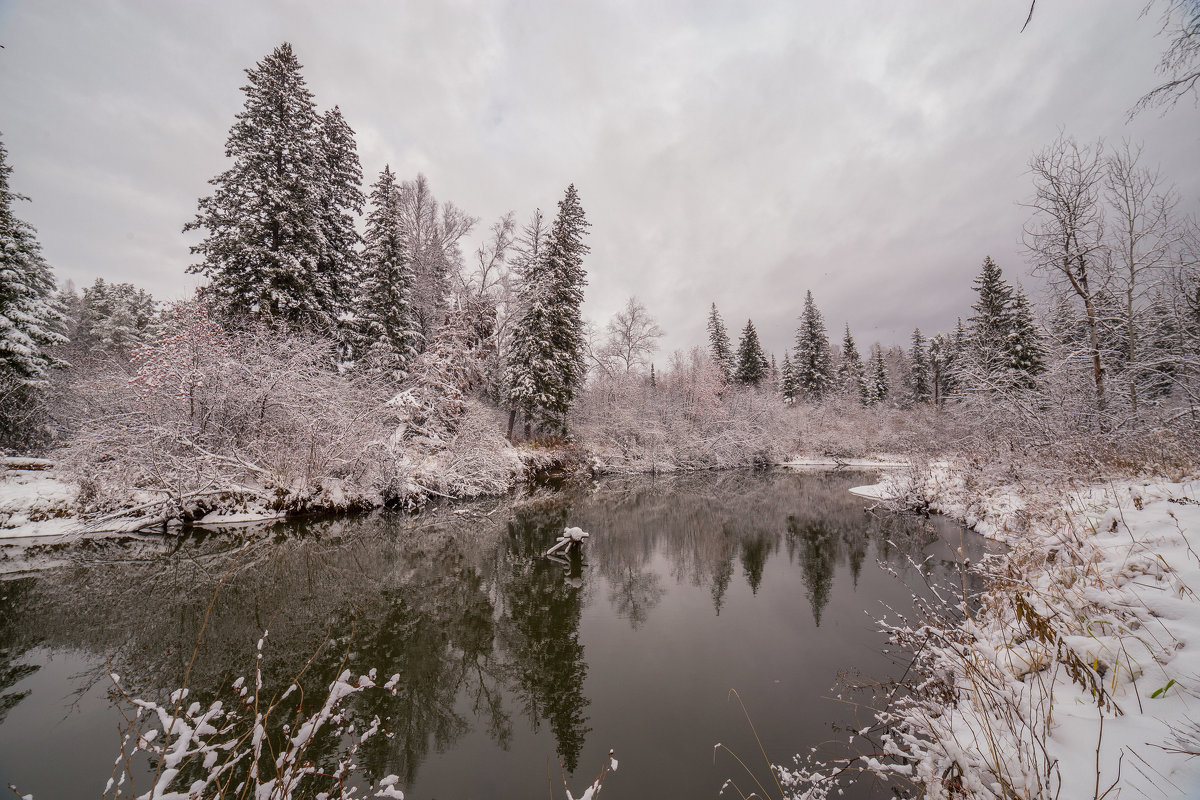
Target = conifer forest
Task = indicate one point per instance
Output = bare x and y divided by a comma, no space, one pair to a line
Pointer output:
715,467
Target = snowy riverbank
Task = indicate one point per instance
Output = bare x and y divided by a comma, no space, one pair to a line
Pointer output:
1079,674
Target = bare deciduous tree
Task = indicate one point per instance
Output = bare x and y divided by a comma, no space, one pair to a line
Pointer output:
1141,236
1065,237
1180,63
632,336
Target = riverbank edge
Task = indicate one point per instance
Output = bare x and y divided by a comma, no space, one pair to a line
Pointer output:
1075,676
36,502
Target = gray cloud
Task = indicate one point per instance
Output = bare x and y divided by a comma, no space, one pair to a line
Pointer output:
740,153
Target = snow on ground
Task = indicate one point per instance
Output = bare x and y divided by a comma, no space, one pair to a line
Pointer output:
244,518
35,503
1096,603
873,462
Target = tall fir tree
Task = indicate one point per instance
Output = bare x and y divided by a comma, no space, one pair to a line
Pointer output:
341,203
388,329
814,362
30,318
850,372
752,363
719,346
922,391
546,355
266,234
876,379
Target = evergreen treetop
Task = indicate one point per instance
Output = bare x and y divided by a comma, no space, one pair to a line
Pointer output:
270,252
719,346
813,364
752,363
30,319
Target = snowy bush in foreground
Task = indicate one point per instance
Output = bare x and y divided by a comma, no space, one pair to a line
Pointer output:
227,747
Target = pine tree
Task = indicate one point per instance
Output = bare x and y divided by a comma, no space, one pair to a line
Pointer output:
389,335
546,363
876,380
266,240
814,363
751,361
653,379
919,360
30,319
787,384
719,346
341,204
850,372
990,328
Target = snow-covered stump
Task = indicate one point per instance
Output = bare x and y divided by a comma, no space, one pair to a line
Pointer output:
571,537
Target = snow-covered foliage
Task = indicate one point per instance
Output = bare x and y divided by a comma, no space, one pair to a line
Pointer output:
223,749
445,441
109,315
691,419
1072,675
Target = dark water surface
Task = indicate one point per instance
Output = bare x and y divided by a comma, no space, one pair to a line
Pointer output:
689,587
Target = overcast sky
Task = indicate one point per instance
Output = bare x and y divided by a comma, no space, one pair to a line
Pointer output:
741,152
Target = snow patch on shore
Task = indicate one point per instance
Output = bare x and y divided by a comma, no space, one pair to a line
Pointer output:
35,503
1079,671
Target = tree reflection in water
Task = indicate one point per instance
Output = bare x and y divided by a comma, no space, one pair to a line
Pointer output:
484,633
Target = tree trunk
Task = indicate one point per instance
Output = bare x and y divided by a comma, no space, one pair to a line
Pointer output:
512,421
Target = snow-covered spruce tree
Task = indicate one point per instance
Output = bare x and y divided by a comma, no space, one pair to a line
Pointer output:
265,241
814,363
956,357
546,352
787,383
719,346
30,319
850,372
876,379
341,203
939,362
990,328
1025,346
921,389
388,332
114,316
751,361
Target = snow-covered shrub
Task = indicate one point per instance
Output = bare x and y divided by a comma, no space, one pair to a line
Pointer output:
688,420
473,461
235,421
